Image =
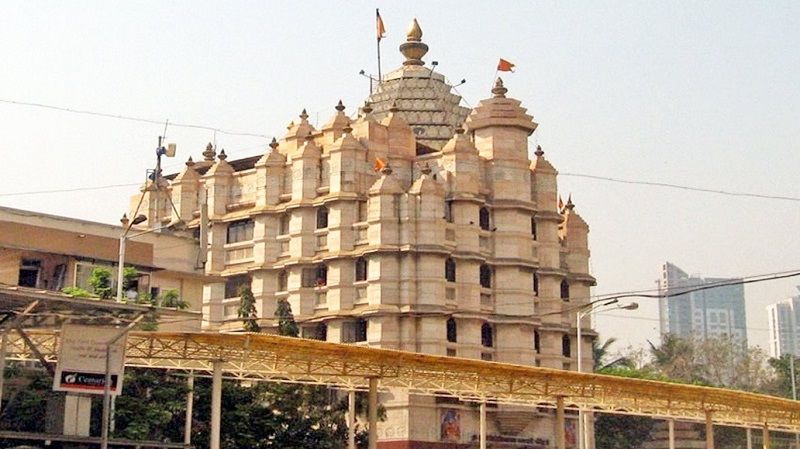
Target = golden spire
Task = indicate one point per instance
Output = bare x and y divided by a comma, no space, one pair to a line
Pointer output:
413,48
414,33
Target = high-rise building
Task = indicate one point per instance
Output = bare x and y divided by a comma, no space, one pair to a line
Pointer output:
710,312
416,224
783,331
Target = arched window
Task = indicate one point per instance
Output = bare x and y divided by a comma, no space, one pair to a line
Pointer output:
361,330
487,335
450,270
322,217
565,290
283,224
566,346
448,211
321,275
483,219
283,281
321,332
537,344
486,276
452,331
535,283
240,231
533,227
361,269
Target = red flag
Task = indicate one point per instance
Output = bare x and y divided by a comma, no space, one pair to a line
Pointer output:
379,28
505,66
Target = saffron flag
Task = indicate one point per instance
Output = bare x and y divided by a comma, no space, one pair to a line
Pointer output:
505,66
379,164
379,28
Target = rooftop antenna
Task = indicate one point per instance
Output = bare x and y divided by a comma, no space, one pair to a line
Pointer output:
168,151
371,79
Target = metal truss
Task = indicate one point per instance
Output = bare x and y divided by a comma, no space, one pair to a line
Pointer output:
273,358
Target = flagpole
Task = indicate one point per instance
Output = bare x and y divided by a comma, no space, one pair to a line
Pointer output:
380,77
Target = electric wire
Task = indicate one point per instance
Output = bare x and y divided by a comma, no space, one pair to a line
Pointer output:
130,118
681,187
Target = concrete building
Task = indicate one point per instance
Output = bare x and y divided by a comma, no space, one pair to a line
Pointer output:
783,331
47,252
708,313
416,224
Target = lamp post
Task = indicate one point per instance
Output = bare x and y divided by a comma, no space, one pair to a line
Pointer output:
582,312
124,237
127,225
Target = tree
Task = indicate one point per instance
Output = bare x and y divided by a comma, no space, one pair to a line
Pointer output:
600,353
152,405
100,280
247,310
286,323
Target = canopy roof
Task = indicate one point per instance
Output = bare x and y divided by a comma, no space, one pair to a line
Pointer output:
260,356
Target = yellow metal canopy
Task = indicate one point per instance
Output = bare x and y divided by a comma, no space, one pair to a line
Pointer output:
269,357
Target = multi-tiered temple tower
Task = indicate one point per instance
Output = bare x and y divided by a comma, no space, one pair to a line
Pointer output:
416,224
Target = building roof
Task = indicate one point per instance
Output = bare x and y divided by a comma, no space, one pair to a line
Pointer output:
269,357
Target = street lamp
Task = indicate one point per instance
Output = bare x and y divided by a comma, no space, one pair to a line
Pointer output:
582,312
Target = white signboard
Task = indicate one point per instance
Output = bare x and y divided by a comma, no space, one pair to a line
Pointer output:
82,359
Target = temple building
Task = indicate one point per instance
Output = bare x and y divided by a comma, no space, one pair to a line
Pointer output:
414,224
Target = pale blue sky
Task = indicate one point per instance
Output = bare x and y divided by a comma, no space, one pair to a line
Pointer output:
697,93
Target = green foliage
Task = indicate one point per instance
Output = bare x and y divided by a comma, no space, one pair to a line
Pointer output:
272,416
145,298
621,431
129,275
600,353
782,386
286,323
152,405
100,280
78,292
26,407
172,298
247,310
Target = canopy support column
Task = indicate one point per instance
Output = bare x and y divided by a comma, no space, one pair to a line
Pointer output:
559,431
216,404
351,419
671,427
187,428
766,436
709,430
483,425
749,433
373,413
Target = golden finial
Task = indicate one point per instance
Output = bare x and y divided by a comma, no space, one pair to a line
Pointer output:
539,152
222,156
414,33
304,115
209,153
499,90
394,107
413,48
367,107
273,144
190,162
340,106
570,205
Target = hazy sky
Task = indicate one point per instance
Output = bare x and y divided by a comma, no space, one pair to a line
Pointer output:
703,94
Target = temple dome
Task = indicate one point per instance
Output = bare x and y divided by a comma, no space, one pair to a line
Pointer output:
422,97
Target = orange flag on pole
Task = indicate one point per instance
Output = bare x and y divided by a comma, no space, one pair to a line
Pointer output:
379,164
505,66
379,28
